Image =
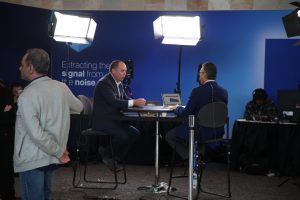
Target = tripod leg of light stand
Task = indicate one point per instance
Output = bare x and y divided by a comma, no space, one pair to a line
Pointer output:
286,180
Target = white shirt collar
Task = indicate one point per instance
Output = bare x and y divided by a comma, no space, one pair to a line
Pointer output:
209,81
118,83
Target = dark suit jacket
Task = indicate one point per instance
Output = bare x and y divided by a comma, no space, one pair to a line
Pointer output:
7,119
200,96
107,103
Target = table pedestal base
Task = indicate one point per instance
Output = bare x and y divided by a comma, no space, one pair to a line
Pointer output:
159,188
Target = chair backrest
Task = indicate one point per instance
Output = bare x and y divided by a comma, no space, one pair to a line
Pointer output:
213,115
87,104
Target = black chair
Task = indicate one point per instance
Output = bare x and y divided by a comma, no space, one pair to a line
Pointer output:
172,166
87,104
212,115
97,183
86,141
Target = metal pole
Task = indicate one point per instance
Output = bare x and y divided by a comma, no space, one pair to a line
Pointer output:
178,89
156,153
191,155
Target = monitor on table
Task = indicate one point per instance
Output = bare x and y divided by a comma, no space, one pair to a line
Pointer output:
289,104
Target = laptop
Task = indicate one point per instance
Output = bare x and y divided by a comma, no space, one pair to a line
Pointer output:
171,99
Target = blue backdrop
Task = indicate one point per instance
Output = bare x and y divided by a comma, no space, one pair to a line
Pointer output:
243,45
282,66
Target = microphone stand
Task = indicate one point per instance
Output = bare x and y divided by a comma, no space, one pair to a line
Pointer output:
68,63
127,88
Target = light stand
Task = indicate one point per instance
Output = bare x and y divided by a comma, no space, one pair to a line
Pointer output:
178,90
74,30
178,30
292,27
291,21
78,29
68,61
127,88
129,75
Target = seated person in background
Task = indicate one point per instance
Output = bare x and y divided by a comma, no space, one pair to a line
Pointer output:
7,115
109,99
260,108
209,91
16,89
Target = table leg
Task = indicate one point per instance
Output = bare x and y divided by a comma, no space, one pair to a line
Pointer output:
157,187
191,156
156,181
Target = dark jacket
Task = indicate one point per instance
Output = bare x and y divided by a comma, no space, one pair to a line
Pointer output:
200,96
107,103
266,111
6,118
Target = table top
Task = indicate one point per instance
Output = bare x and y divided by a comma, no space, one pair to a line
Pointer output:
138,115
263,122
148,108
149,111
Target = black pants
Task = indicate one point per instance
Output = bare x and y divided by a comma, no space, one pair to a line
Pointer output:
7,190
122,139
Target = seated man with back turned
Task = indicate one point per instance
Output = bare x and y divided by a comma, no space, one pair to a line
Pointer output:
260,108
109,99
209,91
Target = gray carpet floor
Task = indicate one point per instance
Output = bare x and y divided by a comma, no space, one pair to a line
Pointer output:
243,186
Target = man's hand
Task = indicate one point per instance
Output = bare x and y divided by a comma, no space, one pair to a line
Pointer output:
7,108
140,102
65,157
173,107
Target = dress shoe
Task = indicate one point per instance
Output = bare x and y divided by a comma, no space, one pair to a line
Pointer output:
110,164
101,151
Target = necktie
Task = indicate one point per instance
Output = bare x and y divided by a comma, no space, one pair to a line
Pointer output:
120,91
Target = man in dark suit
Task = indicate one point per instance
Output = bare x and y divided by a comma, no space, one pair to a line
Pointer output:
109,99
209,91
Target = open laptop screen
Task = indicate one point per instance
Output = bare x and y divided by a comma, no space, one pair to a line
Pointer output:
171,99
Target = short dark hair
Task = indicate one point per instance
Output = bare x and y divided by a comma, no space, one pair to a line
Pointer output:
39,59
2,82
114,64
210,70
259,94
16,84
